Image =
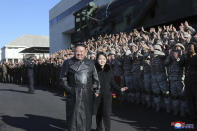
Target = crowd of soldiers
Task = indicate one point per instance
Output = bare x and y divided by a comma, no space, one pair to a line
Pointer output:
45,72
144,61
147,63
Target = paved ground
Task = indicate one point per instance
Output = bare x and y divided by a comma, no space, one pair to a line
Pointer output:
45,111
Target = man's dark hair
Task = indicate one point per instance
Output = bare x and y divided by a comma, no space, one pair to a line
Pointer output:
80,44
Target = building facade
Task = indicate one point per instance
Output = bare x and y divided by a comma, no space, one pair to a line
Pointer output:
62,21
11,51
116,16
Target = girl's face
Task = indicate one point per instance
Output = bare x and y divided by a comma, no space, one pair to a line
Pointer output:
102,60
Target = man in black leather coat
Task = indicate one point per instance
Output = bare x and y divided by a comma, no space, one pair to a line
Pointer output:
79,78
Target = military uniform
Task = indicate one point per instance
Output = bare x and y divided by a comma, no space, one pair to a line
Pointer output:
136,76
1,74
160,87
147,79
175,77
4,68
190,63
30,74
126,73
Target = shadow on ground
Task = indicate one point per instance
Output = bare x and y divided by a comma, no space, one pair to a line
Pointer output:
14,91
143,119
56,91
34,123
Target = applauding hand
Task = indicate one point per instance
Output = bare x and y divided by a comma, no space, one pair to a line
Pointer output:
124,89
96,94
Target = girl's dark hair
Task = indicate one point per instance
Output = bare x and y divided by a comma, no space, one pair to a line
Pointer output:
100,53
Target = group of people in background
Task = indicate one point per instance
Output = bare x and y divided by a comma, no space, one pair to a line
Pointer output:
46,72
158,66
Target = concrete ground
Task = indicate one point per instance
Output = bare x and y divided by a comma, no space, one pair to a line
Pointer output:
45,111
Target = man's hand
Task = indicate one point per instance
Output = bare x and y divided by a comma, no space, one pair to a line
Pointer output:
159,29
151,48
96,94
186,24
143,29
124,89
175,55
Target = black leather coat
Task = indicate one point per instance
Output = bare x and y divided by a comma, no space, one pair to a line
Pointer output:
80,80
108,85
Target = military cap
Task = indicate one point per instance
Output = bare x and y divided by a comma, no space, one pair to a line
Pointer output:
118,54
128,52
145,48
186,35
165,33
157,47
105,45
132,44
159,43
180,45
157,52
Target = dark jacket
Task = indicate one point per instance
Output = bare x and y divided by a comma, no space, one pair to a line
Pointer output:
107,85
190,64
80,80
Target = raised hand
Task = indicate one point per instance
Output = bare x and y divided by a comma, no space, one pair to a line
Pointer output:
124,89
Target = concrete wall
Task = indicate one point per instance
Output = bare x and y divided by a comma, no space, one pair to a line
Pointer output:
58,38
61,7
12,53
37,55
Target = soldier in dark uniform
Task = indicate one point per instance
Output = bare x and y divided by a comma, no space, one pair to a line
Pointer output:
4,68
136,73
190,62
12,74
175,77
38,73
159,81
24,74
35,74
20,73
1,73
55,71
30,73
147,77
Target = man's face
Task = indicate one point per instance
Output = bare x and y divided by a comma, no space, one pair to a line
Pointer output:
80,52
109,58
175,54
113,57
165,36
191,49
104,49
188,39
133,49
